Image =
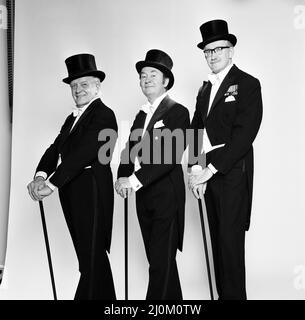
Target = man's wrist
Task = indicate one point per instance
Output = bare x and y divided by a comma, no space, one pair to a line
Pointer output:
212,168
40,174
134,182
50,185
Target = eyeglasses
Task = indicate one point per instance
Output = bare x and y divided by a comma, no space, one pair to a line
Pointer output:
217,50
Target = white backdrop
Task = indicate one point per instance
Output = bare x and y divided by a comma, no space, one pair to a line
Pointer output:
271,39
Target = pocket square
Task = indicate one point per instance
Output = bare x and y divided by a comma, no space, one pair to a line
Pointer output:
230,98
159,124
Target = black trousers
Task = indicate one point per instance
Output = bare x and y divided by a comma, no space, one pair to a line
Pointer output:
157,214
227,203
79,200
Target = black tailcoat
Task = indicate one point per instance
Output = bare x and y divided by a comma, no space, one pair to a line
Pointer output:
86,194
161,200
234,120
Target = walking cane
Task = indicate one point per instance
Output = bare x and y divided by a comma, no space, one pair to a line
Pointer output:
205,246
126,244
1,274
44,226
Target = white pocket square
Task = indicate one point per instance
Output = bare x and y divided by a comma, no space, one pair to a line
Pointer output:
229,98
159,124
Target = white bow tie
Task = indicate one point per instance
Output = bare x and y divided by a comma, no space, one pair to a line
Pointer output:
213,78
147,108
77,111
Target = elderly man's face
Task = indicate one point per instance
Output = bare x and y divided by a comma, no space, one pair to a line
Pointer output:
84,90
152,83
217,61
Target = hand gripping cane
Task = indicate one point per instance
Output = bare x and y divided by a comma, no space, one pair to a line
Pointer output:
205,242
45,233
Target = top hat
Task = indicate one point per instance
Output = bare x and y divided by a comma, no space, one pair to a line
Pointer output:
215,30
82,65
160,60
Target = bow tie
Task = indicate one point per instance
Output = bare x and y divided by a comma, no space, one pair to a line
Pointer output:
148,108
213,78
77,111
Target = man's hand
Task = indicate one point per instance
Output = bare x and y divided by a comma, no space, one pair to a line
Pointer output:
35,186
199,177
44,192
123,187
199,190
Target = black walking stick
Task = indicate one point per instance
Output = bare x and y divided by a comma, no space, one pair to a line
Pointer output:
44,226
194,169
1,274
205,248
126,244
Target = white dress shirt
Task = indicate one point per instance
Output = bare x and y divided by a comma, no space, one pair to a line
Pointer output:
216,80
77,112
149,109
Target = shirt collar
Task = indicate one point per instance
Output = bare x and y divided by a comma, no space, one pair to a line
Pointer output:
79,110
151,108
221,75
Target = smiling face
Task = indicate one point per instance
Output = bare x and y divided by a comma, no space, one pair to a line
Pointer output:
84,90
153,83
218,61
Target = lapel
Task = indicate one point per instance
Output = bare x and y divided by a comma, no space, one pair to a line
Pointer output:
67,133
140,120
227,81
85,114
67,129
138,125
204,98
164,106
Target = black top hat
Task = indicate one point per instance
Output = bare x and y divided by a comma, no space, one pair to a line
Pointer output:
160,60
82,65
215,30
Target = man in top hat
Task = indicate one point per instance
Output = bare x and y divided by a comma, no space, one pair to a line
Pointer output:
85,184
151,166
229,110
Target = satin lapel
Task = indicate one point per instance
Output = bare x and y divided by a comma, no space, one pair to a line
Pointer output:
162,108
140,120
139,124
85,114
227,81
136,133
66,132
204,98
